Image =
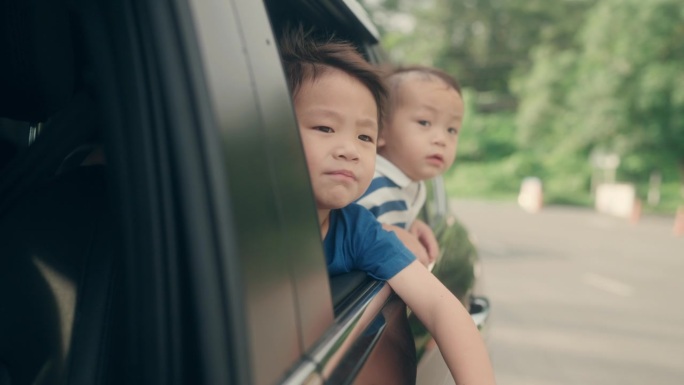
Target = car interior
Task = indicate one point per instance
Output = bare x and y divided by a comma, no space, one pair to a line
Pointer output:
55,220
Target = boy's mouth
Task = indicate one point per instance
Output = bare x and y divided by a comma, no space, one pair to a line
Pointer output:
436,159
342,174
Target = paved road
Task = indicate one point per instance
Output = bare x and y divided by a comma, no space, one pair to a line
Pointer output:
579,297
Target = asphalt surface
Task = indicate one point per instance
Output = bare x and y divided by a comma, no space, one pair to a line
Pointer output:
580,297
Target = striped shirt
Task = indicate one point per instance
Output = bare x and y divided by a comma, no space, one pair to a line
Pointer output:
392,197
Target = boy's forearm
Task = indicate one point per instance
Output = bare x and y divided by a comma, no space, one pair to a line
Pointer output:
449,323
461,344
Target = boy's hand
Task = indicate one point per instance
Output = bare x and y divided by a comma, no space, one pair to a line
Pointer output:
426,237
411,242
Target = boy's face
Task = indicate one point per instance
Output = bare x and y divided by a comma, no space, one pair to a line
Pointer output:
421,135
338,124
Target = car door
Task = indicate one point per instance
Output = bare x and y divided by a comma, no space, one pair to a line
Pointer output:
220,232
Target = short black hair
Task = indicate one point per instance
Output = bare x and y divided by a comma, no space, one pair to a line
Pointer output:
306,55
396,76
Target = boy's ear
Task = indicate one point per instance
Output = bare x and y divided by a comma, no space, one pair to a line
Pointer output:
381,140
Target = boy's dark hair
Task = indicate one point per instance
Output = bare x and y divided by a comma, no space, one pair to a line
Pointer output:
306,56
398,75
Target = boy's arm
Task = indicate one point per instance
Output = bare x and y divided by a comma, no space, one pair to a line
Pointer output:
426,237
449,323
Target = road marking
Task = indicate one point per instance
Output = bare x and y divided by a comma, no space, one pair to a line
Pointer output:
606,284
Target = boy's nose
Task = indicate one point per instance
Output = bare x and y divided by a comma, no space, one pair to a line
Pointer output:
347,150
439,137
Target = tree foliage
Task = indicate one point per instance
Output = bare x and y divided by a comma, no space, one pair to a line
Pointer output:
620,88
481,42
578,76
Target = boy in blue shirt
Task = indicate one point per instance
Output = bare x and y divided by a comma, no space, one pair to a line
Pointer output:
418,142
338,100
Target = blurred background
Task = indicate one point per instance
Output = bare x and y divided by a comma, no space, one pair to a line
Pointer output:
553,88
569,175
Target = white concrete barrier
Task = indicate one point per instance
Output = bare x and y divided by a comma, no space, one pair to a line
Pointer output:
531,197
617,199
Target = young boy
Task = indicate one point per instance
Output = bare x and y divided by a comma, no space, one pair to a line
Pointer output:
338,99
418,142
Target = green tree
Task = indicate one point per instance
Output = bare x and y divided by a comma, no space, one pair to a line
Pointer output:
630,84
619,87
480,42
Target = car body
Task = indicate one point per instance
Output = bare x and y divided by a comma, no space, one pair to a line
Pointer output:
157,224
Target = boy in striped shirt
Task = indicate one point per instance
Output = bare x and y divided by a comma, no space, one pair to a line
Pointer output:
418,142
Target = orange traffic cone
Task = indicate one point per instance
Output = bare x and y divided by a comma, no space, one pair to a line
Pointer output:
636,212
678,228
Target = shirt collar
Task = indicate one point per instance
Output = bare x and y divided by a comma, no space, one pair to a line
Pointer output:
391,171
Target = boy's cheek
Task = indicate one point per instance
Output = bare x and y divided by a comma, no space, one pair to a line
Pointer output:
365,183
450,158
450,162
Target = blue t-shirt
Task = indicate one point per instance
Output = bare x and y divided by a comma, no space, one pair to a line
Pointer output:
357,241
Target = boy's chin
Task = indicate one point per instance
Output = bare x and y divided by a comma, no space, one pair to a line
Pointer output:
430,173
334,204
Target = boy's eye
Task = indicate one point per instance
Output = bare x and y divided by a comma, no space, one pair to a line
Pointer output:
452,130
424,123
323,129
366,138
